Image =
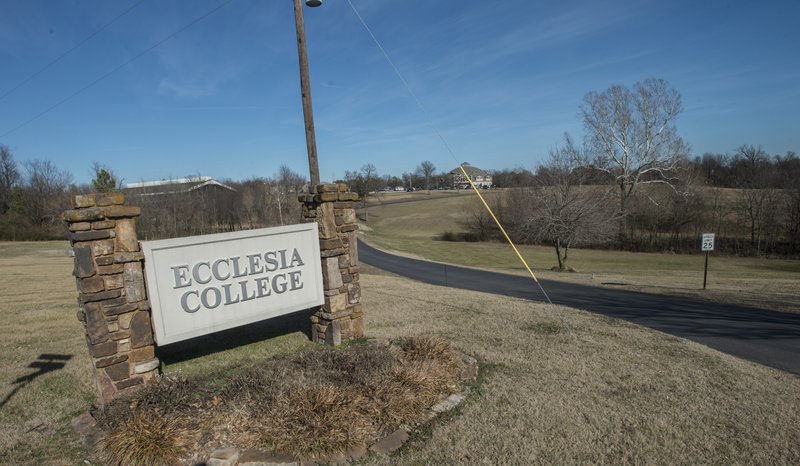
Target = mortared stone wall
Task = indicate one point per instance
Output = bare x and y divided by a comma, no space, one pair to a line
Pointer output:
111,293
341,318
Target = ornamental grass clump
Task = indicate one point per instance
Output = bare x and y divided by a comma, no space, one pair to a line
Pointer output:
400,394
147,438
435,351
317,420
320,402
426,368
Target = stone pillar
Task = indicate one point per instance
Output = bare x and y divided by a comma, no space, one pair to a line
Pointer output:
111,294
341,318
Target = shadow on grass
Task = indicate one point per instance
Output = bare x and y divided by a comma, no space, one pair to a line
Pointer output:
43,364
299,321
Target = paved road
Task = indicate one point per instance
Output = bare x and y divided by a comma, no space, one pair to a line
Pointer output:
767,337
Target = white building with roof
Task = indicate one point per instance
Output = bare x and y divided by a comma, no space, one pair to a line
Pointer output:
174,186
479,178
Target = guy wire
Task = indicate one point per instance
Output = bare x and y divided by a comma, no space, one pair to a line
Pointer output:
452,154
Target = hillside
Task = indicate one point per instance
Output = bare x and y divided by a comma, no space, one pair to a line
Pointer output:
415,226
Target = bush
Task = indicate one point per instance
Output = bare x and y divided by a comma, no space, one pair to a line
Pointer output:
319,402
147,438
459,236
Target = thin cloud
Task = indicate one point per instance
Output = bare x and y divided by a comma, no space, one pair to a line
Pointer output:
525,37
167,87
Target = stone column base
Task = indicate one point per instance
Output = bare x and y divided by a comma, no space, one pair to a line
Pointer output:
341,318
333,329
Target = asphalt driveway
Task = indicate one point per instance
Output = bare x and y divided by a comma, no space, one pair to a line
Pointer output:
766,337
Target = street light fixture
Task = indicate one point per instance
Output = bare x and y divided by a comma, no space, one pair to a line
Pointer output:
305,89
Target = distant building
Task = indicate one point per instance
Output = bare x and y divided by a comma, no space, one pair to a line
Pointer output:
479,178
178,207
174,186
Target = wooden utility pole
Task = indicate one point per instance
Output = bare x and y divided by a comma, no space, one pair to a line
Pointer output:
305,88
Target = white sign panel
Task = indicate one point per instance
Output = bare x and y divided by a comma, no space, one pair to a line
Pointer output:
707,242
204,284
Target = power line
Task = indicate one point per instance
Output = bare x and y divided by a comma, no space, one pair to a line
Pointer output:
109,73
60,57
452,154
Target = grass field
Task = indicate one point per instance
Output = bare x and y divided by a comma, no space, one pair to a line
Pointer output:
415,226
38,320
38,317
603,392
608,392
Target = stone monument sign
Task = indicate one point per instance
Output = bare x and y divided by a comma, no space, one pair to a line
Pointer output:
203,284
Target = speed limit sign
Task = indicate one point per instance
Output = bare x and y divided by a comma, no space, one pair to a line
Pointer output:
706,245
707,242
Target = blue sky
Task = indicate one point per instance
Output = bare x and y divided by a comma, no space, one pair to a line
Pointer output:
501,80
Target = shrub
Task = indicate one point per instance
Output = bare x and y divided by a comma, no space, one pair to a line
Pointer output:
147,438
319,402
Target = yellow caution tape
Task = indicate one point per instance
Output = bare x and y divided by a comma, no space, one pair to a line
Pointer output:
498,224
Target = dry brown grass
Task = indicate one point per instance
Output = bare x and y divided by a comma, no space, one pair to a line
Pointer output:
610,392
413,229
316,403
37,318
430,348
147,438
314,420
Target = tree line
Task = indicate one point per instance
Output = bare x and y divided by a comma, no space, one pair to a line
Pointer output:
35,193
631,184
236,205
748,166
32,197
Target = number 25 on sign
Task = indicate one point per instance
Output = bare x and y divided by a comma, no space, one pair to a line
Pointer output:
706,245
707,242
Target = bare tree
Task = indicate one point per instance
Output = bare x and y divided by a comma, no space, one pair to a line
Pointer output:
426,170
793,219
788,170
717,209
250,196
516,178
754,156
286,186
754,206
408,180
363,182
351,177
752,175
369,174
631,136
227,207
9,178
562,211
290,179
45,193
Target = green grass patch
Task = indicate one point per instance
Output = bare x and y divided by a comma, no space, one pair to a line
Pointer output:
543,328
